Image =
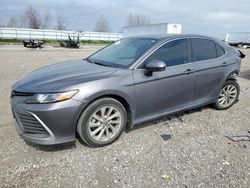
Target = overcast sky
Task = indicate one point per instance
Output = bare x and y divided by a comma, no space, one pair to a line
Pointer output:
210,17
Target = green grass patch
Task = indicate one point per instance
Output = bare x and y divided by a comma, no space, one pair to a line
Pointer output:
53,42
93,42
10,41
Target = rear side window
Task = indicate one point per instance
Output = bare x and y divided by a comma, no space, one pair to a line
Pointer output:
203,49
172,53
220,50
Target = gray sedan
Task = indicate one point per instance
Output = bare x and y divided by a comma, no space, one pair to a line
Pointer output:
126,83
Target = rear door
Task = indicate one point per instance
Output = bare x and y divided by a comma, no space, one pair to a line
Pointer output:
209,67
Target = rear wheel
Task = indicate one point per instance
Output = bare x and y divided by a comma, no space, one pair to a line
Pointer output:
228,95
102,122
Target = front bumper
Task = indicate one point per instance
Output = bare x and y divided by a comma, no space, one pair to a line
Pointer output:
46,124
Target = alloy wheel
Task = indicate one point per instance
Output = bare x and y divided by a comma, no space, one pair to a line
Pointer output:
227,95
105,123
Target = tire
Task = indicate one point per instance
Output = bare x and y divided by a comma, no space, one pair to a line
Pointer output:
229,94
102,122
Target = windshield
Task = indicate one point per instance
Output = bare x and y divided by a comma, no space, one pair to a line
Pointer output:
122,53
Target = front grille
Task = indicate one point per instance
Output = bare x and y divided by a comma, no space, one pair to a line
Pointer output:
18,93
31,125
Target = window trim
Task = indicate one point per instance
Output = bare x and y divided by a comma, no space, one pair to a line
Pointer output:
216,43
189,52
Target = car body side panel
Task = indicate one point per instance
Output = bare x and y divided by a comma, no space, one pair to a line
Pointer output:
210,77
163,91
121,84
212,74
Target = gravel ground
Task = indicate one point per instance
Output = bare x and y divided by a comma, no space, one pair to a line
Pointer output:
197,155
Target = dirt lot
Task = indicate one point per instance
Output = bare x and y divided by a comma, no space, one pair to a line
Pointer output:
197,155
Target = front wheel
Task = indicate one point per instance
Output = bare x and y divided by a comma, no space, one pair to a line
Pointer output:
228,95
102,122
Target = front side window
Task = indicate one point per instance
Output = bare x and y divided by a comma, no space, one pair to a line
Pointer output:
172,53
203,49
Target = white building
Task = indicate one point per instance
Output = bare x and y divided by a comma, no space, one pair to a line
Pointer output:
163,28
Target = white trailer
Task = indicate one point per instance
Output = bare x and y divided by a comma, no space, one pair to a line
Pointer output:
163,28
239,39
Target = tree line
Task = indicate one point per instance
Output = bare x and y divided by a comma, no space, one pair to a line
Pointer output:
32,18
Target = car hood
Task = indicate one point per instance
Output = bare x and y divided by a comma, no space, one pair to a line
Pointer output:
56,77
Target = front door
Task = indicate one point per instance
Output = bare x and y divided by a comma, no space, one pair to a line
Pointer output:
168,90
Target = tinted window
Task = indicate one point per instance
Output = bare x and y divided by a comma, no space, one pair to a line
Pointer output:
172,53
220,50
203,49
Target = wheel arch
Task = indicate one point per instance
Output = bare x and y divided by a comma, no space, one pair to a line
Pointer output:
232,75
126,102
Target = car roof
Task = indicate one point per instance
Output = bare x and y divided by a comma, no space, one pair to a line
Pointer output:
171,36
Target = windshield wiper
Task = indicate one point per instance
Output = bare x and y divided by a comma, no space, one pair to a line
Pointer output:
87,59
97,63
102,64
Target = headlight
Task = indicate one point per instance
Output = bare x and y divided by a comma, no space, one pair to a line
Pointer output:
51,97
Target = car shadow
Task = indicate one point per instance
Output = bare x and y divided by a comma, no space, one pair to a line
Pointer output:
52,148
81,141
168,118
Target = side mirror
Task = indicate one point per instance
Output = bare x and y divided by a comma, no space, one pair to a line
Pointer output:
154,66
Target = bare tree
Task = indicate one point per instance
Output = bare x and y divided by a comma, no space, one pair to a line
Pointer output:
46,18
137,20
102,25
32,18
12,22
60,23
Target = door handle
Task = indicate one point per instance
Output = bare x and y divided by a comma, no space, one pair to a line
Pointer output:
224,64
189,71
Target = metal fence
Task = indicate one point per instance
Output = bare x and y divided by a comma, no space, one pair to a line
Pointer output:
42,34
